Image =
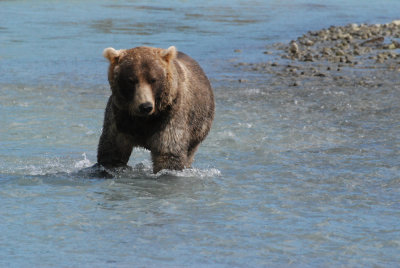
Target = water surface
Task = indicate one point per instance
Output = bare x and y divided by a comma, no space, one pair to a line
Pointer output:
303,176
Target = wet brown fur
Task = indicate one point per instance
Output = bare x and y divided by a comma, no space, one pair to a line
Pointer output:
183,108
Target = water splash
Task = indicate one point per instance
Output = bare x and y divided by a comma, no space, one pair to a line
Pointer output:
142,170
190,173
83,163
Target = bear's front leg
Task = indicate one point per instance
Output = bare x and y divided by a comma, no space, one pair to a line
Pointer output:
114,150
114,147
168,161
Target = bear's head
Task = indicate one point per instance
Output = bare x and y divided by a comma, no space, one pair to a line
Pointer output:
142,79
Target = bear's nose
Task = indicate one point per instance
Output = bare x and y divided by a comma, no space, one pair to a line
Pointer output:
146,108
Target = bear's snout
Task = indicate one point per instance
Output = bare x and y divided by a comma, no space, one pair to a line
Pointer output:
146,108
143,100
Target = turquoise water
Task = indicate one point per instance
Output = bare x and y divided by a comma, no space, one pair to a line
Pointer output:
287,176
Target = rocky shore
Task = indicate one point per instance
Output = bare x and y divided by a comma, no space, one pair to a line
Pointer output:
351,54
351,44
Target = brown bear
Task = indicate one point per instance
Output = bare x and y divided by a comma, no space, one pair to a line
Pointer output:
161,100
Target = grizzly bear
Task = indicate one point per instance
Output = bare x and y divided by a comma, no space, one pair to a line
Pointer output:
160,100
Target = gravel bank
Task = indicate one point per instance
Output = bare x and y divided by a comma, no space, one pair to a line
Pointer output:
364,55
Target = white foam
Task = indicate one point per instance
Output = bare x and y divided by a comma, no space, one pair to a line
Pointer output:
190,172
49,166
83,163
253,91
145,170
46,166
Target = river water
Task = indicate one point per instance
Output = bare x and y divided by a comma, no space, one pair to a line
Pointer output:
288,176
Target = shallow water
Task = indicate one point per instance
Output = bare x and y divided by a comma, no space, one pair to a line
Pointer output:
303,176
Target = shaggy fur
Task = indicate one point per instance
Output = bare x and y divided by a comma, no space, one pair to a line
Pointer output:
161,100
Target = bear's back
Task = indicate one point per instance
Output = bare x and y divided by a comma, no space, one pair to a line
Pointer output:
195,75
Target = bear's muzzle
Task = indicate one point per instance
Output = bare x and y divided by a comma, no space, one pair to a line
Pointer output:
146,108
143,100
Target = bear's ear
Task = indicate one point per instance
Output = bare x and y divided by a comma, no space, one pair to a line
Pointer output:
112,55
169,53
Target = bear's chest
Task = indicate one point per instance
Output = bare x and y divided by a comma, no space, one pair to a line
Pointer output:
141,129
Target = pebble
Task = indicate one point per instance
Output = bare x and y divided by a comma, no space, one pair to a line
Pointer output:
293,47
308,42
320,74
340,52
326,51
396,22
308,57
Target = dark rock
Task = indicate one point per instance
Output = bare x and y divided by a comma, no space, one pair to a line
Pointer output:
373,41
320,74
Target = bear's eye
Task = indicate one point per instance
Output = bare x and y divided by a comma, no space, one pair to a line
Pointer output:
153,80
132,81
